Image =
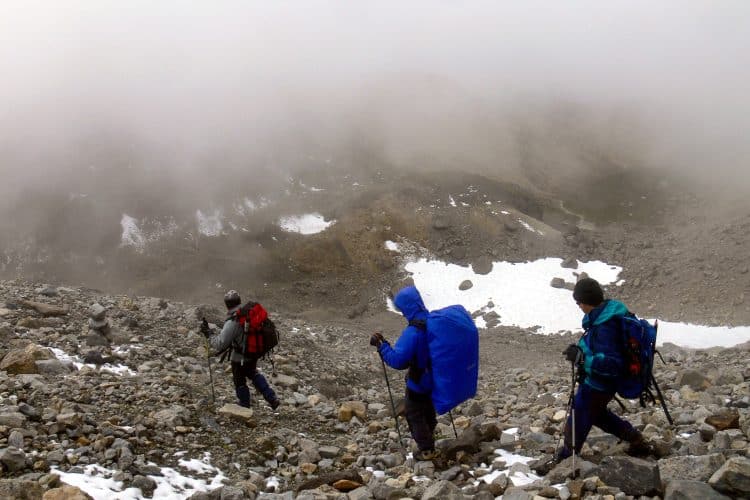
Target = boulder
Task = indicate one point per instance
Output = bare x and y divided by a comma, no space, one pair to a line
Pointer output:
632,475
557,283
483,265
53,367
693,379
19,361
13,459
725,419
570,263
12,419
690,467
733,478
442,490
238,413
683,489
20,489
97,312
465,285
349,409
66,492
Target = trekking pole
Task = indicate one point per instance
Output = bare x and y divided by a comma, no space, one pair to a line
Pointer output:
569,406
393,405
450,414
210,372
656,386
574,369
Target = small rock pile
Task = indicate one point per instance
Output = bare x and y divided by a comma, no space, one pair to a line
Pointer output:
99,327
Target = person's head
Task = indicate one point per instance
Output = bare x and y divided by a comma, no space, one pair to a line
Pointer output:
409,302
232,299
588,294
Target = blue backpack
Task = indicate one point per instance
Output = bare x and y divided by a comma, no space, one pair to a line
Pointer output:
639,348
453,342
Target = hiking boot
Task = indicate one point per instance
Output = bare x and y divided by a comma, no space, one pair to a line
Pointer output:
425,455
275,404
639,447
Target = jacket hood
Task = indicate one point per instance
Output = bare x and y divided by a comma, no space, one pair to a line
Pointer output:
608,310
410,303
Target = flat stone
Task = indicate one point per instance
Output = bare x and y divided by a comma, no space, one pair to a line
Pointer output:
45,310
238,413
725,419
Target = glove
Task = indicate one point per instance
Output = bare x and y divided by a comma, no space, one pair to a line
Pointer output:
573,353
205,330
377,339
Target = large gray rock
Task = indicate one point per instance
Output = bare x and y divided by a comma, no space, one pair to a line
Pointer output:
97,312
733,478
693,379
691,490
13,459
483,265
632,475
12,419
20,489
690,467
173,416
361,493
53,367
465,285
515,493
442,490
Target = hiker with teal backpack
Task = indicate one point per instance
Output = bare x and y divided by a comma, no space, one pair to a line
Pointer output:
440,349
602,361
243,341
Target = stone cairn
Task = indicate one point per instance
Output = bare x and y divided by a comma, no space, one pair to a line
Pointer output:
99,328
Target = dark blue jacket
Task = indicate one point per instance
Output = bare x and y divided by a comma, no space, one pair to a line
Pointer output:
602,345
411,349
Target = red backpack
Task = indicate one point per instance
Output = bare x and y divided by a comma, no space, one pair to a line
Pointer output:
260,332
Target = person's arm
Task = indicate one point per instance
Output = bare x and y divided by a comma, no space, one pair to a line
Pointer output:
400,355
604,358
225,338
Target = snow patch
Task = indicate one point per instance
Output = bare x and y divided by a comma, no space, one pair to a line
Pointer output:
305,224
521,292
98,482
209,224
131,233
451,201
78,363
392,246
528,227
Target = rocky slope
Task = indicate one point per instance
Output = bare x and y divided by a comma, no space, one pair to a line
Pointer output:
142,401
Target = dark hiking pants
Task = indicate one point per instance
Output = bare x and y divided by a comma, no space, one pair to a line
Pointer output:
590,407
241,373
421,417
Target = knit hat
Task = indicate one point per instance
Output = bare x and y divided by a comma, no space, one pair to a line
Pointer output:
588,291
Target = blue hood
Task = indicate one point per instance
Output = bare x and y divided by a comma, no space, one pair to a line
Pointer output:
410,303
609,309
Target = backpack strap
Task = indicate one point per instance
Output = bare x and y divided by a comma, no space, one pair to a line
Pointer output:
415,372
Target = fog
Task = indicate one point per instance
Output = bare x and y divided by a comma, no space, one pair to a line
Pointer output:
190,91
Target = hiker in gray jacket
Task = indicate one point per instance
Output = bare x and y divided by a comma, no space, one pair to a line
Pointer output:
244,364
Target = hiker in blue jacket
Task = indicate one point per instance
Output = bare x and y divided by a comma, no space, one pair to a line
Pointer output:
411,351
599,354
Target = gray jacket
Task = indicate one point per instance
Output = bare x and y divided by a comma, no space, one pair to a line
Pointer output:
230,335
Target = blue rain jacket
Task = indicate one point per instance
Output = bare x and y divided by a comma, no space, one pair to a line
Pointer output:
411,349
602,346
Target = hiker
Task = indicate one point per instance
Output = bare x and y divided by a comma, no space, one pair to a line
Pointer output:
244,365
411,351
599,359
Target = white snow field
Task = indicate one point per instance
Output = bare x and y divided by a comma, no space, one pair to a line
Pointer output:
305,224
521,294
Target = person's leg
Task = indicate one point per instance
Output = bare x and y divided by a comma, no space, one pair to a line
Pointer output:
418,408
583,422
239,377
261,384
